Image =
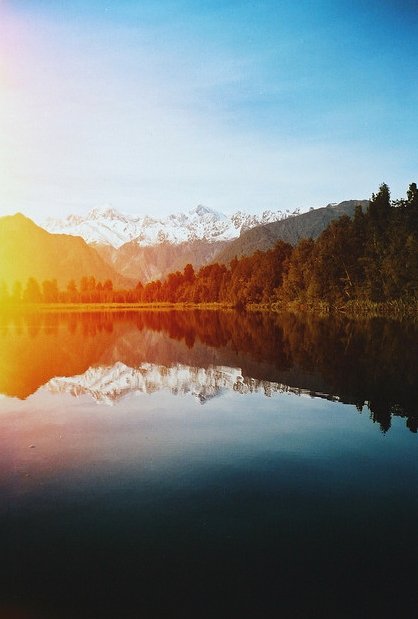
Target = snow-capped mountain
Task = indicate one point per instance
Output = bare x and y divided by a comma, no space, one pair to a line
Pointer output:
107,226
109,384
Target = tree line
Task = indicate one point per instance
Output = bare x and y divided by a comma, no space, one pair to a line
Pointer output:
87,290
373,257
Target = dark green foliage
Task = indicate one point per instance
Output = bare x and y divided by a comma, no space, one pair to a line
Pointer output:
373,256
252,279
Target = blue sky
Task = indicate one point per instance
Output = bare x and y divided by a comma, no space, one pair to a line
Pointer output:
158,106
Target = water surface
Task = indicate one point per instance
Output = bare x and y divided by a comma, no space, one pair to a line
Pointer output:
208,463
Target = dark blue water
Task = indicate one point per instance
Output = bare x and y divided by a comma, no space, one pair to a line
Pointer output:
152,488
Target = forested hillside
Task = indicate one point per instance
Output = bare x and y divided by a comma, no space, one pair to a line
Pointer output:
290,230
373,256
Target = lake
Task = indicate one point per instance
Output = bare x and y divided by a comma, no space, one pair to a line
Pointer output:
207,464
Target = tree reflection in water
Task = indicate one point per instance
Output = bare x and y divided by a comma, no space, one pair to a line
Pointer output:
370,363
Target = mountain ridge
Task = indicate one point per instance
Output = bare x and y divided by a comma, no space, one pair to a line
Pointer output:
201,236
109,227
27,250
290,230
156,261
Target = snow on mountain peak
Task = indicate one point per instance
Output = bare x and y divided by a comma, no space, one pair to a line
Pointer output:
110,384
201,211
104,212
107,226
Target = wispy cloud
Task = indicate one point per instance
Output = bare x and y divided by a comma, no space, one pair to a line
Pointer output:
167,105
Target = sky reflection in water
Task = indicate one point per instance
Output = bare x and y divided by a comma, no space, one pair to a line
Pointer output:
171,480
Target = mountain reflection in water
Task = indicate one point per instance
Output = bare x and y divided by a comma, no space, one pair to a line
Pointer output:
370,363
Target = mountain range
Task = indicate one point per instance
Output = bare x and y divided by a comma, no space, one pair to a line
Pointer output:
127,248
146,248
107,226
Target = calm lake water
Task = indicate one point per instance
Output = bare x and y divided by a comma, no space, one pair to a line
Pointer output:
207,464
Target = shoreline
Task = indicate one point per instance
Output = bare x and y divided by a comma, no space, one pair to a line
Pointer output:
111,307
353,309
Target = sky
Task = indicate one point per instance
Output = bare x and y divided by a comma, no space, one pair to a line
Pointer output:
155,106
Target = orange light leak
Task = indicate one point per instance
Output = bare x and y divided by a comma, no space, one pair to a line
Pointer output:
18,249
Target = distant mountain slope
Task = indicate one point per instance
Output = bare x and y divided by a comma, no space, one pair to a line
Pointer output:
290,230
27,250
156,261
